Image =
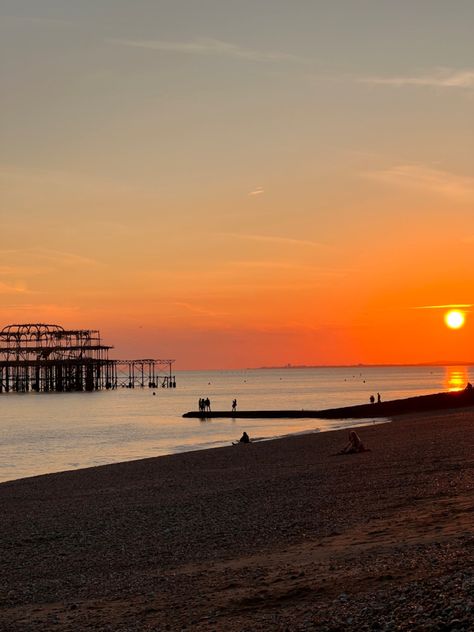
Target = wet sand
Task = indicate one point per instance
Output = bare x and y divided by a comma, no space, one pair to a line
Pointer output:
277,535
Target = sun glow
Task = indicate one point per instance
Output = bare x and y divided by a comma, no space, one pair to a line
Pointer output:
454,319
456,378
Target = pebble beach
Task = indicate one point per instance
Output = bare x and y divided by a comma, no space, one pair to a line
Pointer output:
275,535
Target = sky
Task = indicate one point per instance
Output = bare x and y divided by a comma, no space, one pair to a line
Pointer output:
240,183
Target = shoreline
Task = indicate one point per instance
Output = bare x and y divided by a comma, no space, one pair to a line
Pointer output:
275,535
358,414
359,423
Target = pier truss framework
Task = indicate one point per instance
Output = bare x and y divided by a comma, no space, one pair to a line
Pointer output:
48,358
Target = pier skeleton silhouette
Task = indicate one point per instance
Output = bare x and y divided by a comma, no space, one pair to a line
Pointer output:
48,358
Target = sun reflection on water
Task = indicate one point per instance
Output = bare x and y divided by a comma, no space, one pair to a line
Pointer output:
456,378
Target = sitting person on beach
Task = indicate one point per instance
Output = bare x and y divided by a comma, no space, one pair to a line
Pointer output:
244,438
355,444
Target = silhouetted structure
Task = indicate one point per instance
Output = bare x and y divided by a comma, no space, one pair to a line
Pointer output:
48,358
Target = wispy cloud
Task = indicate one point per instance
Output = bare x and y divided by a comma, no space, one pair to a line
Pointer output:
439,78
12,261
288,241
257,191
36,20
270,265
41,310
205,46
448,306
428,179
6,288
285,265
64,258
61,180
23,270
197,309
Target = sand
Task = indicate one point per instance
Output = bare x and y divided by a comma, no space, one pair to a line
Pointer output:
277,535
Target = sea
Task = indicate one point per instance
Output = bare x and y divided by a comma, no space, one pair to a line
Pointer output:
51,432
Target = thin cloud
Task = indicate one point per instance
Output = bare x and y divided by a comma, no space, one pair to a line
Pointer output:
433,180
448,306
65,258
205,46
196,309
36,20
288,241
56,257
5,288
17,267
43,309
282,265
20,270
257,191
440,78
81,182
269,265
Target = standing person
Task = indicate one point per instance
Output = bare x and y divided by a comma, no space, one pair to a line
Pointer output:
234,405
200,404
208,404
379,399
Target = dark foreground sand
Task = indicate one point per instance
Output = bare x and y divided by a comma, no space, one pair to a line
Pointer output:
270,536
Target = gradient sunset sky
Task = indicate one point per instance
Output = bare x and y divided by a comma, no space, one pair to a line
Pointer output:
238,183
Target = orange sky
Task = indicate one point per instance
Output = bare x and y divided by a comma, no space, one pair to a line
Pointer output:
240,185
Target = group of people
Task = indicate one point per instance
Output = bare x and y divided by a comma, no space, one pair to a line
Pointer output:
204,405
372,399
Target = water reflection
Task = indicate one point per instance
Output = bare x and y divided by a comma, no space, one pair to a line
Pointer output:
456,378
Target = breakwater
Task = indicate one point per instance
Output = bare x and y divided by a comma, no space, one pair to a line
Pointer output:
418,404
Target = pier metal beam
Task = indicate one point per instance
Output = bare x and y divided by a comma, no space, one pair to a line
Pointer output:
151,373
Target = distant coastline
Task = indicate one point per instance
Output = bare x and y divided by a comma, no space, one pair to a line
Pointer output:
360,366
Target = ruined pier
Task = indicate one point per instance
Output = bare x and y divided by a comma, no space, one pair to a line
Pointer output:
48,358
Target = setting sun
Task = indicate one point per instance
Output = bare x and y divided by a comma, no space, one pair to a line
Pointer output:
454,319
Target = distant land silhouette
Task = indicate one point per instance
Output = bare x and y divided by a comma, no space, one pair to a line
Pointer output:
358,366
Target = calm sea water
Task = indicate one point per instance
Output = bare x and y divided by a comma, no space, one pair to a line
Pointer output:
46,432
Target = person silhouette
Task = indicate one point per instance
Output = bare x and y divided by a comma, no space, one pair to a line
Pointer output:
234,405
354,445
244,438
